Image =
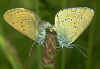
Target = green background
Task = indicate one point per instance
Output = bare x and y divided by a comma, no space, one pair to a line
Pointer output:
14,47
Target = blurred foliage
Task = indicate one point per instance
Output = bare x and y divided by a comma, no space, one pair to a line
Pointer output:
14,47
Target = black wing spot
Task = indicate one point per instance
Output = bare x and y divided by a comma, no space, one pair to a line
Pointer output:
23,30
68,19
74,23
22,25
75,26
12,23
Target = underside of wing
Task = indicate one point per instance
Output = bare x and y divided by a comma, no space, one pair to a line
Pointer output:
71,22
24,21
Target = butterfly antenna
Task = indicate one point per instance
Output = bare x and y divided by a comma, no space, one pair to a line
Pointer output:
82,50
30,52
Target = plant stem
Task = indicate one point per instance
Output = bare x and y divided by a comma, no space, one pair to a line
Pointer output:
49,54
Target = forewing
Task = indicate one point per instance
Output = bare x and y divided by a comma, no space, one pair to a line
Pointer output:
71,22
24,21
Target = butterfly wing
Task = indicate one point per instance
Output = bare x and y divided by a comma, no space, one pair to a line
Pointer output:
24,21
71,22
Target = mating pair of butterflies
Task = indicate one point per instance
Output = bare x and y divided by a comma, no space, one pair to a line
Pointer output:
69,24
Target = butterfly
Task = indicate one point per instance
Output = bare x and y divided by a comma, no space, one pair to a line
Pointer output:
70,23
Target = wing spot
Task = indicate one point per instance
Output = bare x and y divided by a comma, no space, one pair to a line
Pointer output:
23,30
68,19
12,23
75,26
22,25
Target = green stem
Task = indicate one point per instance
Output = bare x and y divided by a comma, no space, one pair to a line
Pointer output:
63,58
90,63
36,6
9,52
